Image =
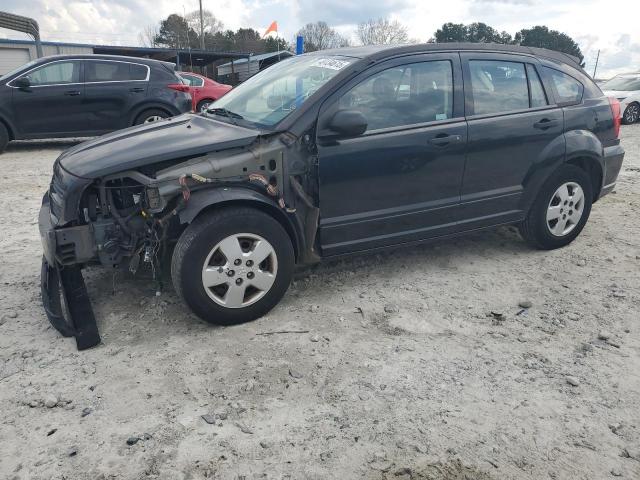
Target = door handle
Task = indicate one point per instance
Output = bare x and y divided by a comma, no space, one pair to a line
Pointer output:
442,140
136,89
72,93
545,123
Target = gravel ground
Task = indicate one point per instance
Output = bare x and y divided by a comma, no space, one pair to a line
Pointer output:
414,364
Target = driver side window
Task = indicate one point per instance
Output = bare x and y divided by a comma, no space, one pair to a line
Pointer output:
404,95
56,73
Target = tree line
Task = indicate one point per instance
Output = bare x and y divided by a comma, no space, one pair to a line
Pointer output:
183,32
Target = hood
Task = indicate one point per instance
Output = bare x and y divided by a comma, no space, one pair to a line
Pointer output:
178,137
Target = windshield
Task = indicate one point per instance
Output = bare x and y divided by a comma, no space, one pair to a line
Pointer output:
269,96
25,66
622,83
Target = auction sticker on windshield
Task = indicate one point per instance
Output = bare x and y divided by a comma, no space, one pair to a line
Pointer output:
330,63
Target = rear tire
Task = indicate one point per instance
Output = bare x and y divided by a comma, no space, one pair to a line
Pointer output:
213,271
631,114
4,137
560,211
202,104
150,116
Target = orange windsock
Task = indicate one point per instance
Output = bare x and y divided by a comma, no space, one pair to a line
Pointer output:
272,28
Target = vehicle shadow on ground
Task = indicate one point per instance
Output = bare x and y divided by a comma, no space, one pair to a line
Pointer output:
18,146
135,293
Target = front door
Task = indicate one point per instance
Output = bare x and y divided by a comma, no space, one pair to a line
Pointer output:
400,180
53,104
513,127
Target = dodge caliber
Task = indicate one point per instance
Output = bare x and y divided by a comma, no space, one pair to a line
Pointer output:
327,154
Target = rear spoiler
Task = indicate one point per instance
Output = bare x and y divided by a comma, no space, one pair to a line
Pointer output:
169,66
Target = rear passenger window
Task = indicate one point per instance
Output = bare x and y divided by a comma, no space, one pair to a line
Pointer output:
568,89
404,95
538,97
138,72
97,71
498,86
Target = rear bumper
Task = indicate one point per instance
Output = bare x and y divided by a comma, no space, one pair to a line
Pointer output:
613,157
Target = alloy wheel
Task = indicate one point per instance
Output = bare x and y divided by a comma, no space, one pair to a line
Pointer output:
239,270
152,119
632,113
565,209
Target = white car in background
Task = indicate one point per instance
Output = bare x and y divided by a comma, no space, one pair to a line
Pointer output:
626,88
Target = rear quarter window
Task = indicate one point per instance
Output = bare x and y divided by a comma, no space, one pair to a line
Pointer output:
568,90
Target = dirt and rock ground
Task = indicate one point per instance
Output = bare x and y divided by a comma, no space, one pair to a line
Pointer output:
477,358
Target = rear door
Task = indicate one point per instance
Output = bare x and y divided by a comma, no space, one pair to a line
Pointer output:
400,180
53,104
512,129
112,89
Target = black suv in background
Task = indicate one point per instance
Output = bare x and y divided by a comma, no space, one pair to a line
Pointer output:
87,95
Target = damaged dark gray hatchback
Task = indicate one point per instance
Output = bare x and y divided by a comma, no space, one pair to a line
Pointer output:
330,154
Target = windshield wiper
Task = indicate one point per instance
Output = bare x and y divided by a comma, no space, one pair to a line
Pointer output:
225,113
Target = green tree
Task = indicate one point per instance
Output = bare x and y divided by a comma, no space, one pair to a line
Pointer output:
539,36
451,32
542,37
482,33
174,32
276,44
178,32
475,33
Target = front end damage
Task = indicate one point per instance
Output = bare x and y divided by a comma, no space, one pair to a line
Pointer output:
127,219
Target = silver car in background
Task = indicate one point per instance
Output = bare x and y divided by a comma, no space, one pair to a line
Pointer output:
626,88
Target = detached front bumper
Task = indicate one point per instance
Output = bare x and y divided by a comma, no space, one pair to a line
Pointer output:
64,285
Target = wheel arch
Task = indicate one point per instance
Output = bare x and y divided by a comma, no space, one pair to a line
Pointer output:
9,127
585,151
204,201
593,168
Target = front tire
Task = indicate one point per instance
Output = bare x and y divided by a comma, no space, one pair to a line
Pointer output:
232,265
560,210
631,114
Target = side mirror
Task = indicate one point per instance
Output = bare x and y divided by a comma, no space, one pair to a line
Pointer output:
23,82
348,123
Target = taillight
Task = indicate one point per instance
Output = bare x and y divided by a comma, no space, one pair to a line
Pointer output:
617,116
179,87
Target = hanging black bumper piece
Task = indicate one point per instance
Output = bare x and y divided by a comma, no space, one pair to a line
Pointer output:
64,283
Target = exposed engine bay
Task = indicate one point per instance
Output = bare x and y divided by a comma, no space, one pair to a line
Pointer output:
128,219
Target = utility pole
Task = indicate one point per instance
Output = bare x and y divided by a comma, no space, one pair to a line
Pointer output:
596,66
201,28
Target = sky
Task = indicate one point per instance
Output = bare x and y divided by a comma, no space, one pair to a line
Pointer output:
610,27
